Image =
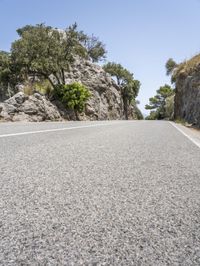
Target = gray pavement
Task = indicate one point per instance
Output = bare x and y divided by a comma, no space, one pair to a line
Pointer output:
119,193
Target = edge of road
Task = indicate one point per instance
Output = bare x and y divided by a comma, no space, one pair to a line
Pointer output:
57,129
192,134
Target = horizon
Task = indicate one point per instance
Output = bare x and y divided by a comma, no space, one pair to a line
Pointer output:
141,36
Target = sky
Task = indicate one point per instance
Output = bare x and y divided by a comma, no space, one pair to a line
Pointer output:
139,34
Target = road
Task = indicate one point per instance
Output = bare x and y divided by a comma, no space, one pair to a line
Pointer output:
98,193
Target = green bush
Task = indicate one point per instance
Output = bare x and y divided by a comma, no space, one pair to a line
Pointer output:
73,96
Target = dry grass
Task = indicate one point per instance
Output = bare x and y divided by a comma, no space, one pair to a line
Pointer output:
28,90
188,67
43,87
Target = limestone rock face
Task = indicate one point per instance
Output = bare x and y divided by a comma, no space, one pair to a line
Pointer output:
106,102
187,98
34,108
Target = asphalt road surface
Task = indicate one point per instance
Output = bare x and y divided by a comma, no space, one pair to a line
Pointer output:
98,193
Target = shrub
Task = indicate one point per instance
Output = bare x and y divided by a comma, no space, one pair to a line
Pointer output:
73,96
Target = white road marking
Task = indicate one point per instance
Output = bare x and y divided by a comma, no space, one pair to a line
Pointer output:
186,135
55,129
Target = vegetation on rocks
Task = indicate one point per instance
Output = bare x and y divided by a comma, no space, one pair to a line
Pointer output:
184,69
73,96
186,78
181,103
128,85
42,60
48,53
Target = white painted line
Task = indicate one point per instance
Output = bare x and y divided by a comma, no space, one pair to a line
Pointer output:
55,129
186,135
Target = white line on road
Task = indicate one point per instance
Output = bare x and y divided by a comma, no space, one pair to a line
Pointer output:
55,129
186,135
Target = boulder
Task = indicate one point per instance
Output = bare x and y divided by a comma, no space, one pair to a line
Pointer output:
35,108
106,102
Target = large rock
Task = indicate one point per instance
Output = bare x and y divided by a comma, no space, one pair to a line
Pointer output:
35,108
106,102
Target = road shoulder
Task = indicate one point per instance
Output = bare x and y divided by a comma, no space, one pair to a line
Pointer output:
192,134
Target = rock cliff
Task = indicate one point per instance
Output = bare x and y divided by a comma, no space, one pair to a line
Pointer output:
187,98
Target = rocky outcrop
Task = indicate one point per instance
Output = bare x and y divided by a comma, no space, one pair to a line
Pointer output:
105,103
32,108
187,98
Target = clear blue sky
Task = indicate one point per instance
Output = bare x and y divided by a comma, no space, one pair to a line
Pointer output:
139,34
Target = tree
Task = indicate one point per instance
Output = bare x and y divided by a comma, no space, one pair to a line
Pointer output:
121,74
4,74
152,116
125,80
170,66
95,48
169,107
8,75
73,96
138,113
4,66
46,52
158,102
